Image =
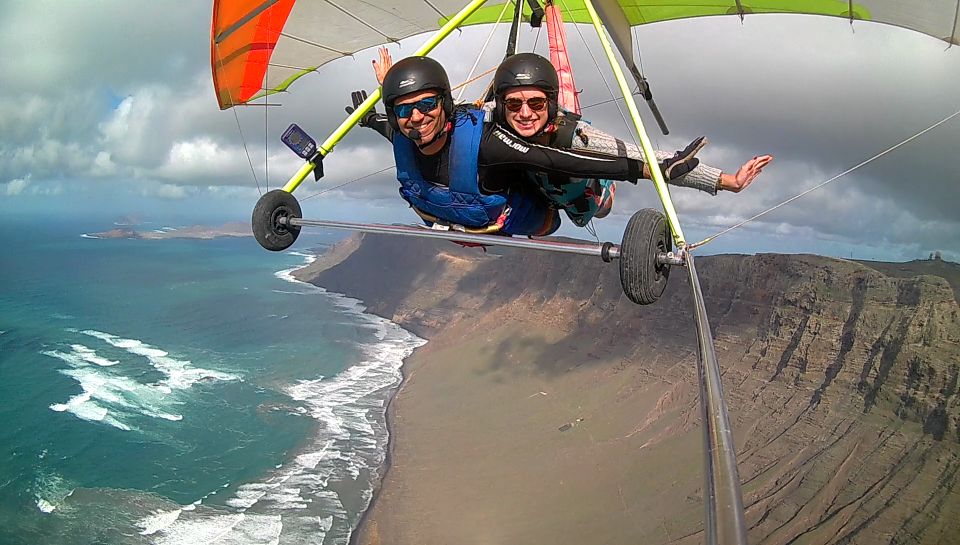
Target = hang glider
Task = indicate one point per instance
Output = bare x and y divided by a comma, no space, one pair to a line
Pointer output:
261,47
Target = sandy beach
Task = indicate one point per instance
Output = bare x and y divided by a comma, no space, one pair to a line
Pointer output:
492,444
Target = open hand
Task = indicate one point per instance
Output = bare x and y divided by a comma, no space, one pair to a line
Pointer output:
745,175
381,68
358,97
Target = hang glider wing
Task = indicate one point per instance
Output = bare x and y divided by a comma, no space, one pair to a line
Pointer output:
261,46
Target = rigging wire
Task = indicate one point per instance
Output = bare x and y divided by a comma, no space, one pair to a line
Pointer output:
483,49
327,190
475,78
246,151
818,186
636,41
592,229
266,110
537,39
602,77
608,101
243,140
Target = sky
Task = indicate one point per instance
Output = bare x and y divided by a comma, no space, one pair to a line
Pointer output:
107,109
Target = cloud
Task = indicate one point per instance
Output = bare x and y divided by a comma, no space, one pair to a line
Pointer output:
122,93
22,187
103,165
194,160
167,191
56,46
16,187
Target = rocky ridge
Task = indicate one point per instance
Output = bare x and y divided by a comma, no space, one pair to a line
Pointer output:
841,380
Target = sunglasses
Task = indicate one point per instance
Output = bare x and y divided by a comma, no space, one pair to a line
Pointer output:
536,104
424,106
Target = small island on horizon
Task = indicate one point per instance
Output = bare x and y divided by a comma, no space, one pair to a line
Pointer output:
231,229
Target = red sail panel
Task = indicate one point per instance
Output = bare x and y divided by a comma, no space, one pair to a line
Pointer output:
243,36
568,97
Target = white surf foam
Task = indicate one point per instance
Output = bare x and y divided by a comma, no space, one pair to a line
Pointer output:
49,490
287,274
107,397
90,355
223,529
158,521
352,438
180,374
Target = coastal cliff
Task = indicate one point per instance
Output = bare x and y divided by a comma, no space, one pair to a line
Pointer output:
547,408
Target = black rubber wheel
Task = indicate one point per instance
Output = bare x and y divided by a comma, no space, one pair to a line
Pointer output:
647,234
267,229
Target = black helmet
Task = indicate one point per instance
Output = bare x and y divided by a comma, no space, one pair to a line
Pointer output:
526,69
411,75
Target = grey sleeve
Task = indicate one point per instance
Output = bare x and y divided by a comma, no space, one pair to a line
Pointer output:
704,177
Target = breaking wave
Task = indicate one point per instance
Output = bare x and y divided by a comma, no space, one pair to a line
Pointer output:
302,499
111,397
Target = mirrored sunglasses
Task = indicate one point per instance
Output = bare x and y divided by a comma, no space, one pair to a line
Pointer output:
424,106
516,104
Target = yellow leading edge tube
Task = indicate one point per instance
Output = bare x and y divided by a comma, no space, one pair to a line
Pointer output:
327,146
638,123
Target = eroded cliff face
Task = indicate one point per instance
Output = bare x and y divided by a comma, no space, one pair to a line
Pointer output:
841,380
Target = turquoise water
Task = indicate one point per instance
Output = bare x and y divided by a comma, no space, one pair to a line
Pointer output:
183,391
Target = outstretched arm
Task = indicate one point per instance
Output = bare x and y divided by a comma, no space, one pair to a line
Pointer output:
711,179
378,122
703,177
501,148
744,175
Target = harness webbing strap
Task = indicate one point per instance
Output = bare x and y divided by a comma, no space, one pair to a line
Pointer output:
464,153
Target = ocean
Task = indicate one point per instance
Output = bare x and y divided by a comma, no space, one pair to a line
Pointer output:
183,391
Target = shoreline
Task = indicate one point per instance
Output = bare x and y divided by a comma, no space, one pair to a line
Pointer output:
308,273
355,467
317,263
361,529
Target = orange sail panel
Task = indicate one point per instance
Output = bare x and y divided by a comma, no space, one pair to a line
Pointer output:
243,36
568,98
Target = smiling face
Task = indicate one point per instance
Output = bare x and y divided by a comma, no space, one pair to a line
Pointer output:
525,121
428,123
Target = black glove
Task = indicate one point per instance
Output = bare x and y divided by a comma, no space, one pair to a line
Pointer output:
683,161
358,97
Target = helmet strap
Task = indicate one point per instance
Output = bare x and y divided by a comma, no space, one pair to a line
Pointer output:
415,135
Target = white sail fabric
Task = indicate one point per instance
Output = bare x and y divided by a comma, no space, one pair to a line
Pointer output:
318,31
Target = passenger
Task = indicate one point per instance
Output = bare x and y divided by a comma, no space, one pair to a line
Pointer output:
526,88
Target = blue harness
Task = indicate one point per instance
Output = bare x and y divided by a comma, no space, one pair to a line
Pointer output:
462,203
